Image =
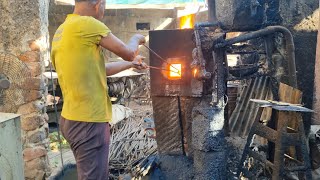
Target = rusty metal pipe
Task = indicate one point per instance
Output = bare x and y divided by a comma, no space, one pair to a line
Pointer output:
289,53
203,74
208,24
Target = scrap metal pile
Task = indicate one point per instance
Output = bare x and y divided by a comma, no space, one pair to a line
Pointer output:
132,149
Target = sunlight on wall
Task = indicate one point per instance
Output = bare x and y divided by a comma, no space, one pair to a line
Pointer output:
309,23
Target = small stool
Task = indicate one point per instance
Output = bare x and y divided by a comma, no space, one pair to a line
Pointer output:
281,139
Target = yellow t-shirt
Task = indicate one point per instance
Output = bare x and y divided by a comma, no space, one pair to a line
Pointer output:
78,60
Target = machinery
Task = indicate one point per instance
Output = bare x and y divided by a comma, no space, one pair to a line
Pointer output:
195,101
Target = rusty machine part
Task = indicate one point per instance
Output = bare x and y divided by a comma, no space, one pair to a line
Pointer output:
120,89
267,34
14,76
199,63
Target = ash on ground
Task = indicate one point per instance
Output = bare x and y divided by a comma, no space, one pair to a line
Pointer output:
235,147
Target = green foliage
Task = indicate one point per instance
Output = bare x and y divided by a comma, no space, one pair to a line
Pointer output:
54,142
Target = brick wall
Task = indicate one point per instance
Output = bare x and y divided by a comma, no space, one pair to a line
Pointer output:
24,34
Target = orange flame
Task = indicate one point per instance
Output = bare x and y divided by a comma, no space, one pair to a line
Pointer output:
187,22
195,71
175,71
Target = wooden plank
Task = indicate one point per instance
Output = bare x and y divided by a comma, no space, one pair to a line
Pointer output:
291,95
279,151
294,96
264,131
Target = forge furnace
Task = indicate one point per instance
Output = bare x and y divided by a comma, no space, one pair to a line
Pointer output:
189,111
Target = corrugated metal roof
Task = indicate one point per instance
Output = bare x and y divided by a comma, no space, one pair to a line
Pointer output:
245,112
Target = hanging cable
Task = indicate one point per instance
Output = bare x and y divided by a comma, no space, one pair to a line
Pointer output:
56,118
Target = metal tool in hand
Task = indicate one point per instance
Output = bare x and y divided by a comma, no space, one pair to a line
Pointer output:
162,69
162,59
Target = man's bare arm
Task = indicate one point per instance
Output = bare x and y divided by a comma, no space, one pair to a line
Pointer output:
116,67
126,52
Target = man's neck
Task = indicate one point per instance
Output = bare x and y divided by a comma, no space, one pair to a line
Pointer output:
83,9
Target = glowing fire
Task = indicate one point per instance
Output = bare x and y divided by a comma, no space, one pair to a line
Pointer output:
186,22
175,71
195,71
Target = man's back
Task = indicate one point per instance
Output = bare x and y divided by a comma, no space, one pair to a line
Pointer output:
81,71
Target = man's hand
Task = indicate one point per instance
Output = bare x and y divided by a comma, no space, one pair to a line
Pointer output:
138,63
141,39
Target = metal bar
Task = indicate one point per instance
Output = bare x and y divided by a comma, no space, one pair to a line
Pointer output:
290,55
162,59
208,24
269,47
181,126
152,67
219,56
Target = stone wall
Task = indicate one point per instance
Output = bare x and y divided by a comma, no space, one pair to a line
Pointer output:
24,34
316,97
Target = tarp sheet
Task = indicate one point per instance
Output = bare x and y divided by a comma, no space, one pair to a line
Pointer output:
155,2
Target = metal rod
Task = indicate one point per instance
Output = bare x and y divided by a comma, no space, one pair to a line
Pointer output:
56,118
152,67
162,59
181,126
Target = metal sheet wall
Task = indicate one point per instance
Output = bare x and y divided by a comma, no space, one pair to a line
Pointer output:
245,112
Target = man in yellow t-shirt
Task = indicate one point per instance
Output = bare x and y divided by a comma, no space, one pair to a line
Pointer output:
77,57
